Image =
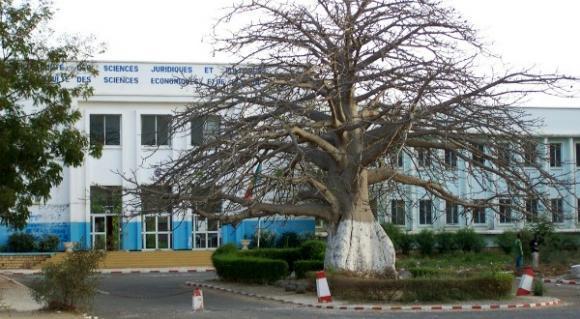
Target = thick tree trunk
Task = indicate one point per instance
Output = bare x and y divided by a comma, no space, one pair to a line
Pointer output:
358,243
360,247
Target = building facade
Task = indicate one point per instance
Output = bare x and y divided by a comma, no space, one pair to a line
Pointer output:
129,114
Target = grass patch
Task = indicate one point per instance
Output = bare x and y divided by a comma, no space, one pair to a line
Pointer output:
458,262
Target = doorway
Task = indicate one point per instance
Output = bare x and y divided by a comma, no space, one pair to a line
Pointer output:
106,232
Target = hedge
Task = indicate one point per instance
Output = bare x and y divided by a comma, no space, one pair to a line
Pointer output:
289,255
249,269
484,286
304,266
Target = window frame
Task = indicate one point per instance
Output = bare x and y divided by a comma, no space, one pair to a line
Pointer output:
478,159
155,134
532,210
450,159
451,213
425,217
156,232
479,215
105,141
555,152
424,157
398,212
557,216
203,131
505,211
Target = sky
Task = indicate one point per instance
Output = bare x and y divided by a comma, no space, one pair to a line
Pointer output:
525,33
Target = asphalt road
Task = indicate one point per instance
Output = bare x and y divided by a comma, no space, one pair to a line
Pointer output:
159,296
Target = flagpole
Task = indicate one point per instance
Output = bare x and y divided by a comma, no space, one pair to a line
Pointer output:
259,232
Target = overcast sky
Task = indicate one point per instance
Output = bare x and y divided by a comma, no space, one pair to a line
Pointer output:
525,33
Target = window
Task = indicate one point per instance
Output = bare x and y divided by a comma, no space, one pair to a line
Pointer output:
206,233
423,157
452,213
578,211
505,211
557,210
398,212
578,154
157,231
106,200
478,154
450,159
531,210
479,214
156,199
555,155
396,159
425,212
155,129
204,128
530,153
105,129
504,154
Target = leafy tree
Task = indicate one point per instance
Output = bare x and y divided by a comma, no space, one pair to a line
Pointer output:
328,94
37,133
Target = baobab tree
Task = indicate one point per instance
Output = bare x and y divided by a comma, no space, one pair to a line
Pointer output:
327,93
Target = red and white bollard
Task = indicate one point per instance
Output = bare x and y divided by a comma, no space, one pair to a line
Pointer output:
322,289
197,300
526,282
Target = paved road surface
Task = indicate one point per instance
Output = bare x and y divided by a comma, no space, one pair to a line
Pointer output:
165,296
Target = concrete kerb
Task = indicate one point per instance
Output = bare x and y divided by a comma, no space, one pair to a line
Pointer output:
562,281
21,272
388,308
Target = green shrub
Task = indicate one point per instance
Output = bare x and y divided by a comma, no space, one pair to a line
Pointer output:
469,240
489,286
267,239
426,242
506,240
445,242
289,255
226,250
304,266
407,243
21,243
394,232
312,250
538,288
249,269
288,240
70,284
559,242
48,243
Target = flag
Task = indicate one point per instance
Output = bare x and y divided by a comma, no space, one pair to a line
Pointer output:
250,191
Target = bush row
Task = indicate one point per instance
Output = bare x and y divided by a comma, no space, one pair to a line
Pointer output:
249,269
20,242
309,250
269,239
489,286
304,266
428,242
273,264
549,242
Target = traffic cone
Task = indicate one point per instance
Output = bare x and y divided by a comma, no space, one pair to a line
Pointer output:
525,286
197,300
322,289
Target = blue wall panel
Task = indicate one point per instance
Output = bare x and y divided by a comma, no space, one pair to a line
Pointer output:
182,235
247,228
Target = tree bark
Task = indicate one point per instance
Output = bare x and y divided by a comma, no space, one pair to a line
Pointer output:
357,243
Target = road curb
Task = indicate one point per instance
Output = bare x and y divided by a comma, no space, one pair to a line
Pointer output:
562,281
386,308
124,271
